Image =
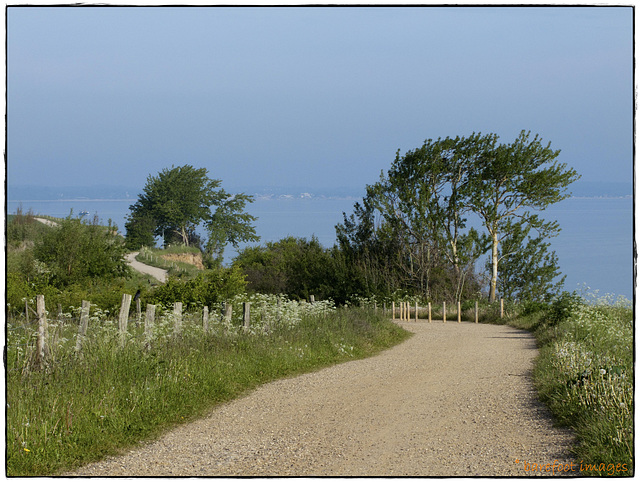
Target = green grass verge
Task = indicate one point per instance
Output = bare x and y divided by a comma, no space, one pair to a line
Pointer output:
584,373
88,406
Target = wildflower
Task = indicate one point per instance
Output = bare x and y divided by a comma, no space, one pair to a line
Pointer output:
603,371
26,450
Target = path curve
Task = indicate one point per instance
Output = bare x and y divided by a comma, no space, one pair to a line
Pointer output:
158,273
453,400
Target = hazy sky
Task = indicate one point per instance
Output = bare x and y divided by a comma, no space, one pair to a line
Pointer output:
307,96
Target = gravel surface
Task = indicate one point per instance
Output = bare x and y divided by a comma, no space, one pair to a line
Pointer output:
453,400
158,273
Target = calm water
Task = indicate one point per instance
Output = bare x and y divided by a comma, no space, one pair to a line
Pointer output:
595,247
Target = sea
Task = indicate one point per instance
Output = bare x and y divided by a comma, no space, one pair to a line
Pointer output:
595,247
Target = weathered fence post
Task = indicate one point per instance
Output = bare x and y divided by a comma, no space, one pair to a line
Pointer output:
312,299
393,310
123,319
476,311
205,319
228,311
84,323
177,317
26,310
138,311
444,312
429,311
246,315
149,319
501,307
459,313
41,347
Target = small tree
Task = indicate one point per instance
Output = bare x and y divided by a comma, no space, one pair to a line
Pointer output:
507,181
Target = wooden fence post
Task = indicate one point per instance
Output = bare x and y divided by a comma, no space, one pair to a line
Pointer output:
228,311
205,319
123,319
393,310
26,310
444,312
177,317
459,314
246,315
476,311
84,323
429,311
138,311
41,347
501,307
312,299
416,311
149,319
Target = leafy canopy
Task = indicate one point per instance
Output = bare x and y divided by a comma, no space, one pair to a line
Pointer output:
178,200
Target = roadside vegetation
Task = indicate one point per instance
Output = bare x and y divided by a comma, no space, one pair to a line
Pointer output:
97,402
585,374
408,240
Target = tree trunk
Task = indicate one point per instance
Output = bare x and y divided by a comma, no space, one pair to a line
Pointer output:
494,266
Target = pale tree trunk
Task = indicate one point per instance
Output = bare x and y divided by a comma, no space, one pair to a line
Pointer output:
494,266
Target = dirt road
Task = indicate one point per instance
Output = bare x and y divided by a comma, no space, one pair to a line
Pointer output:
453,400
158,273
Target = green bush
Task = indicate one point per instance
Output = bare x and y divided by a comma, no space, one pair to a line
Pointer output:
208,288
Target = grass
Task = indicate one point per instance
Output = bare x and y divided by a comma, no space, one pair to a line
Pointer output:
107,397
584,374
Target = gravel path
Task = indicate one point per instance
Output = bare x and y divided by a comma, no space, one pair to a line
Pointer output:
158,273
453,400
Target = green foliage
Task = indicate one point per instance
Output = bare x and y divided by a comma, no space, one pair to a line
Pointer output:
24,228
295,267
77,251
528,271
178,200
411,228
584,373
208,288
87,407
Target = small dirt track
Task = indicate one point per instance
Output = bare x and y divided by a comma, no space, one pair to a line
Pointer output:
158,273
453,400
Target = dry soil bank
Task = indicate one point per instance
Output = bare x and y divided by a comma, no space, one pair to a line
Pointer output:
453,400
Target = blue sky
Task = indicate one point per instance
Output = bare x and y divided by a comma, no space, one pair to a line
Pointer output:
315,97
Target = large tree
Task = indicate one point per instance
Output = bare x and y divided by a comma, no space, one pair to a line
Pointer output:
511,182
178,200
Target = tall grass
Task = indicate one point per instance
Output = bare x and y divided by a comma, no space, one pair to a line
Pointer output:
93,403
585,375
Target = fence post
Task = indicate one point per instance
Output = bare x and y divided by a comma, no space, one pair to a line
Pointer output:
246,315
429,311
149,318
444,312
501,307
123,319
84,323
393,310
476,311
312,299
177,317
459,314
138,311
205,319
41,348
228,311
26,310
416,311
